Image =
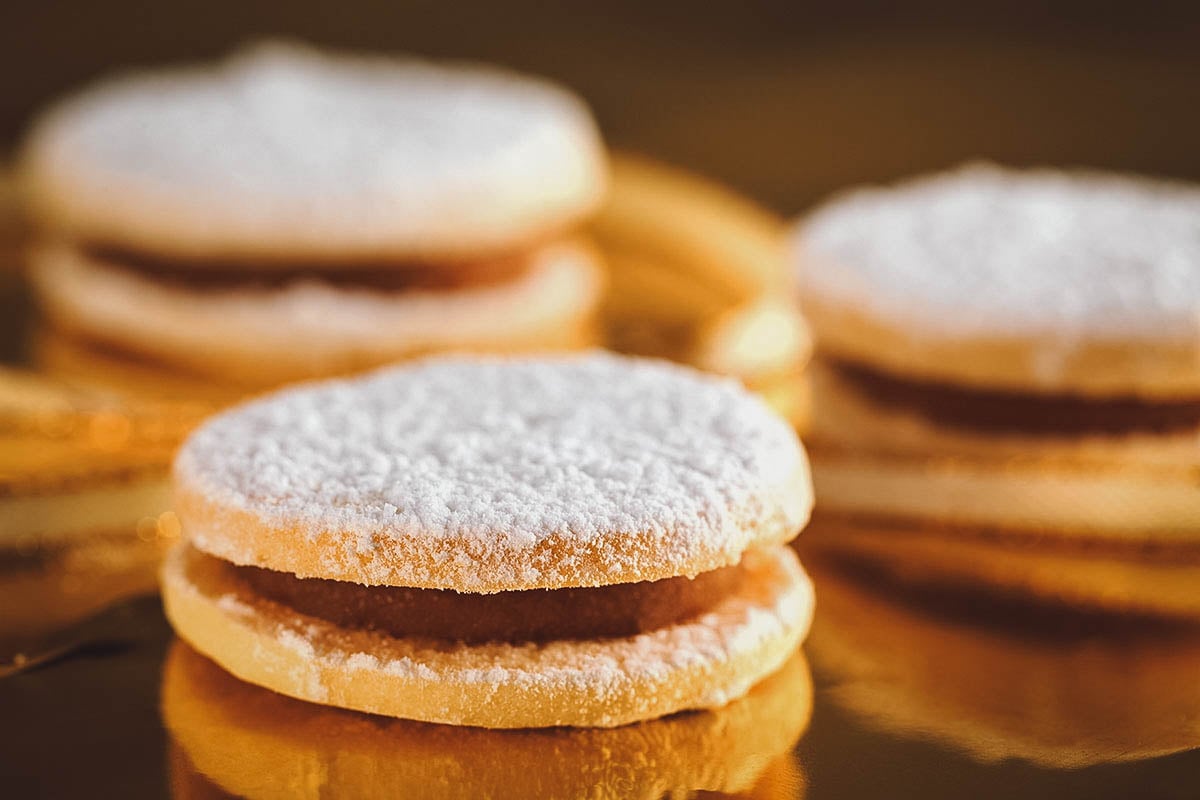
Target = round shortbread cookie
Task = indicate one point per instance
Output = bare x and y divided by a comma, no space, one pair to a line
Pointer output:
704,662
1063,696
490,474
262,336
872,460
283,153
258,744
1036,281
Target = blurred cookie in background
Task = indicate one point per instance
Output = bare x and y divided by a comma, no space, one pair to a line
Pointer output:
84,500
98,369
696,276
231,737
1012,353
766,344
288,214
995,685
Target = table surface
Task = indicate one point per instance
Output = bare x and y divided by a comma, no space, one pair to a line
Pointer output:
909,700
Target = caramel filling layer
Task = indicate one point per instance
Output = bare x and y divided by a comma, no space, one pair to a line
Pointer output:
537,615
381,276
1010,412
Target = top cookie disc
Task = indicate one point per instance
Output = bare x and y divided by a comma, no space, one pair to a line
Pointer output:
488,475
283,153
1043,281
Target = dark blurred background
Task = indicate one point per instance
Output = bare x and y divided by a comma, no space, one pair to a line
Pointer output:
787,101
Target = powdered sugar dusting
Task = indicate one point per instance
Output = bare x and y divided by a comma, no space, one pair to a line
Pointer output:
468,467
283,140
989,251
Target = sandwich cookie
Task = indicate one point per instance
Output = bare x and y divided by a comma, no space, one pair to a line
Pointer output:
1010,350
288,214
1046,690
579,541
257,744
84,493
73,464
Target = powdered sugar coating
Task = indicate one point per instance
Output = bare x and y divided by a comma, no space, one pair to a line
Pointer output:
282,150
985,251
490,474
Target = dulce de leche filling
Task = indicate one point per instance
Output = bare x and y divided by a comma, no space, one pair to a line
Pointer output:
391,276
1011,412
536,615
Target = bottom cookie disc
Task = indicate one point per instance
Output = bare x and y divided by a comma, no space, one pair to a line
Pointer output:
704,662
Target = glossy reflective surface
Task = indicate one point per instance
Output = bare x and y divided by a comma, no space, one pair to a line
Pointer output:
910,696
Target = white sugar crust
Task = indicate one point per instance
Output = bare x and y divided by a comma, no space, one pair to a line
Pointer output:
990,251
704,662
492,474
282,151
1040,280
264,335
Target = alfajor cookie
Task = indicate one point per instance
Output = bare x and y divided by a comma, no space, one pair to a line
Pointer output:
504,543
74,463
1011,350
84,493
1044,690
287,214
258,744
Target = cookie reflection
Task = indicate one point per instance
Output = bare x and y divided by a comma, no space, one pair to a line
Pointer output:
50,587
1058,692
1113,580
229,737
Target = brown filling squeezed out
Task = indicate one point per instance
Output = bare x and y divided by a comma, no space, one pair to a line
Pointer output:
1000,411
536,615
381,276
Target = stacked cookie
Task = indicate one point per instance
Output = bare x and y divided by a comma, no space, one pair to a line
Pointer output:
84,492
578,541
1013,354
289,214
